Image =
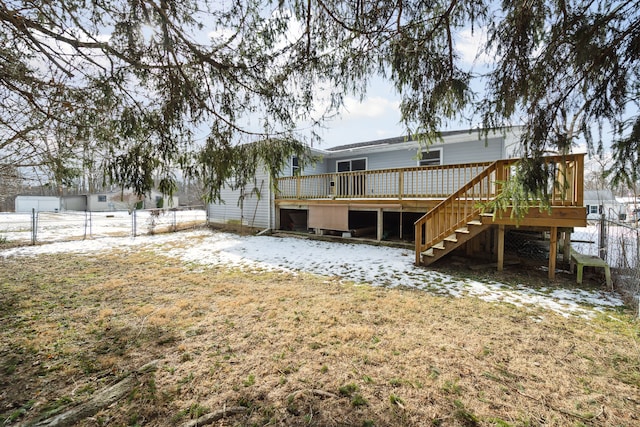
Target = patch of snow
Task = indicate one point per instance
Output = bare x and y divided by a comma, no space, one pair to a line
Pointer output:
374,265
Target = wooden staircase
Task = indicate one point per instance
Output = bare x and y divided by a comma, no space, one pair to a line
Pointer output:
459,237
459,218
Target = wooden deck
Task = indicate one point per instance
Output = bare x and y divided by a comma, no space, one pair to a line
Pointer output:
449,198
419,183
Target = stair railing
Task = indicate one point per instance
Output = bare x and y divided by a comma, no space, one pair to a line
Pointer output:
465,204
459,208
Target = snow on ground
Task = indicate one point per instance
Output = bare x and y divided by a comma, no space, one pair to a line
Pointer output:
57,226
622,243
375,265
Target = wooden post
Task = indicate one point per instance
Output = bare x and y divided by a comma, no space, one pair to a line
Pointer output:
553,252
500,178
400,184
566,248
579,180
380,224
418,242
500,247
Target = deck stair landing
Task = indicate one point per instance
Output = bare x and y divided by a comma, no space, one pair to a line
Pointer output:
459,237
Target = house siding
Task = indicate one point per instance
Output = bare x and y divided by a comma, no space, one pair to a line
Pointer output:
255,210
474,151
479,150
315,168
385,160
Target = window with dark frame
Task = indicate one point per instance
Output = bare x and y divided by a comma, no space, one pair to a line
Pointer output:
430,158
102,198
295,166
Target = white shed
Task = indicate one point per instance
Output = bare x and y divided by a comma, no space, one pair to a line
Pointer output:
39,203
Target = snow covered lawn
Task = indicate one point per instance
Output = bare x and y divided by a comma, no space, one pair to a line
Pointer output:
377,266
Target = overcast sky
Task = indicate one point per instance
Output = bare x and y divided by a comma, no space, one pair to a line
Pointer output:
378,115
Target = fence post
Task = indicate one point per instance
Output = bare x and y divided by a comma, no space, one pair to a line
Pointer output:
602,252
34,226
86,218
133,222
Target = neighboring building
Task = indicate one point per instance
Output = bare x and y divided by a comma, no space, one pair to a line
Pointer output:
630,208
38,203
127,200
600,202
99,202
456,147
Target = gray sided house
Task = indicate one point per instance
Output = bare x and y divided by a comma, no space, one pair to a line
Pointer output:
250,206
455,147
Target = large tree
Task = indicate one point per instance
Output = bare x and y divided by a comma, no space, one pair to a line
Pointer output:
144,79
155,85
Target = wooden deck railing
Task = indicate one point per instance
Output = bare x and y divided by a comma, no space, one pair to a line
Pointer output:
464,204
399,183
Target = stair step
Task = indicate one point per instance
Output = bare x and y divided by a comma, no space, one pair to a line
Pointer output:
438,246
428,252
474,222
487,214
463,230
453,238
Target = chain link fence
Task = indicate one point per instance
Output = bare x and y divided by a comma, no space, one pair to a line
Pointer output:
618,243
43,227
529,245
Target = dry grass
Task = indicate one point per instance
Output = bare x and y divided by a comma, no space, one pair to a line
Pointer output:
298,350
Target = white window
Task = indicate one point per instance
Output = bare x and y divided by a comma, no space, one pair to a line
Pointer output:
432,157
593,209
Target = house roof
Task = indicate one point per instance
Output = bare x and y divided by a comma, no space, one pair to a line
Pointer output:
410,138
394,140
600,195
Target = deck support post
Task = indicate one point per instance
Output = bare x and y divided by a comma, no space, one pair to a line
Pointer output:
500,247
553,252
380,225
566,246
